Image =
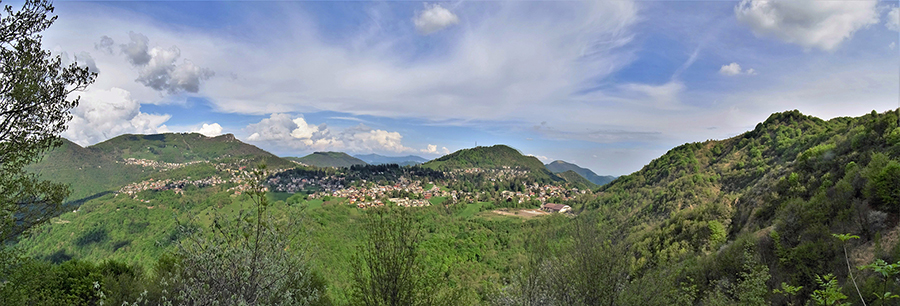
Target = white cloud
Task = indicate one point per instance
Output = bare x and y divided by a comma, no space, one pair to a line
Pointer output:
82,59
105,45
809,23
161,73
540,157
103,114
892,20
491,63
158,67
663,96
136,51
433,149
283,130
735,69
434,18
364,139
210,130
892,45
730,69
430,149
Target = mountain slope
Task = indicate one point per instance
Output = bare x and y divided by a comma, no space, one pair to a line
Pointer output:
85,170
329,159
576,180
786,186
103,166
494,157
183,147
375,159
561,166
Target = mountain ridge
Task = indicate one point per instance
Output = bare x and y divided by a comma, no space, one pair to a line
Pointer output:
328,159
376,159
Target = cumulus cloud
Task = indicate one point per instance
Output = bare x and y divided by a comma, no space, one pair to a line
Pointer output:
84,59
540,157
893,19
282,129
105,45
137,51
433,149
103,114
430,149
434,18
735,69
209,130
364,139
159,67
730,69
809,23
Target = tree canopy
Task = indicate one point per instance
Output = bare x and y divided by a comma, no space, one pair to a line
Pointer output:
35,100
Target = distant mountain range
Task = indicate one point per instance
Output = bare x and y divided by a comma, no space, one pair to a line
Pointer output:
102,167
375,159
328,159
560,166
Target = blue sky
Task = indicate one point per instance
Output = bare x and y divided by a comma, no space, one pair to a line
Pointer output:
608,85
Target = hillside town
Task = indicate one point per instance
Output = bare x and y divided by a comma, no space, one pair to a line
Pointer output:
162,166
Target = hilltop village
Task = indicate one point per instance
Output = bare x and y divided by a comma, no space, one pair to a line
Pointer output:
402,190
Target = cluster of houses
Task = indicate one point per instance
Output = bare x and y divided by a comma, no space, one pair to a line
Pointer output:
167,184
358,195
541,193
503,173
239,174
294,184
157,164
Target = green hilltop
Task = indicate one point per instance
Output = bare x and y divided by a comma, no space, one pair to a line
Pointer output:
493,157
328,159
559,166
182,148
103,167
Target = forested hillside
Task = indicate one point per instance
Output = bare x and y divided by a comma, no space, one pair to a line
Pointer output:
124,159
86,171
182,148
576,180
559,166
780,191
494,158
